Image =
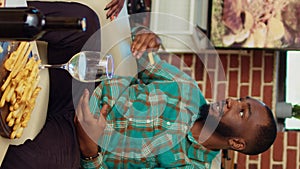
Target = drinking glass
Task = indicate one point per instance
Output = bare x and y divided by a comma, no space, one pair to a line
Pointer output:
88,66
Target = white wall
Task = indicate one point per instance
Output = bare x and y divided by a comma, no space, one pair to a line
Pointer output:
293,84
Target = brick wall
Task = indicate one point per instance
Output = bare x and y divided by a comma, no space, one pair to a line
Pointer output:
231,73
284,154
239,73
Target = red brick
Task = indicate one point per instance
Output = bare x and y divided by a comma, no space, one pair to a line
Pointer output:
176,60
222,75
248,51
241,161
211,61
278,147
253,157
233,83
244,91
257,58
200,86
267,95
269,52
246,55
268,69
188,59
252,166
245,69
222,54
210,84
188,72
292,138
164,56
221,95
256,83
224,60
222,63
291,156
277,166
265,159
199,68
234,61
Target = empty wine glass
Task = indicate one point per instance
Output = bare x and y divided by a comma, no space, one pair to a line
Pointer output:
88,66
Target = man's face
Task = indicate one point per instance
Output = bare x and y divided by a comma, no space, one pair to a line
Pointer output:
237,118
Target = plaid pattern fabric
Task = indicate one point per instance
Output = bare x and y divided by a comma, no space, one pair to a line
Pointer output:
148,124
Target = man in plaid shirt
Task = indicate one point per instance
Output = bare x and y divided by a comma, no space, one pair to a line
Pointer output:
158,120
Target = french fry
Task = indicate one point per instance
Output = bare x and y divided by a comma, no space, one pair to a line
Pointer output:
8,64
25,93
11,108
32,89
17,113
16,127
36,92
2,101
20,48
24,123
20,59
18,119
11,122
10,93
30,64
34,71
6,83
20,75
13,98
19,132
20,88
13,134
9,117
16,106
26,117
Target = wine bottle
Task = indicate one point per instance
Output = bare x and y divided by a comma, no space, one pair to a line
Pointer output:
29,23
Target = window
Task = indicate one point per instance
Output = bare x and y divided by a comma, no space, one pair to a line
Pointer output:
292,86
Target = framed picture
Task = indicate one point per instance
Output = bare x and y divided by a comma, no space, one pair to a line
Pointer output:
266,24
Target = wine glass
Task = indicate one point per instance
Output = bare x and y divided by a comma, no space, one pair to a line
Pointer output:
88,66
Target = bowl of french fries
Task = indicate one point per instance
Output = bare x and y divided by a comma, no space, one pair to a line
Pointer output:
19,89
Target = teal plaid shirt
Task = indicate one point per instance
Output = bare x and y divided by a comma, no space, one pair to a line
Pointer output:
149,123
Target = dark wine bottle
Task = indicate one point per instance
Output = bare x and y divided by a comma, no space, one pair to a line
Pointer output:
29,23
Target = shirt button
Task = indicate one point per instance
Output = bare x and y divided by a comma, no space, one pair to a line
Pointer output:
168,123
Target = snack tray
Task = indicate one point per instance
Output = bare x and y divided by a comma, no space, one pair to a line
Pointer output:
39,113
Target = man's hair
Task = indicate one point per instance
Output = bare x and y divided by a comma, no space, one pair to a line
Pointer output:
265,137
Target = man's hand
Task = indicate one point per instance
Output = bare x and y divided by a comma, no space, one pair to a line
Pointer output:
88,127
114,8
145,40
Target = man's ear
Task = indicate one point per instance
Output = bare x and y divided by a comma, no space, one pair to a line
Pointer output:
237,143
